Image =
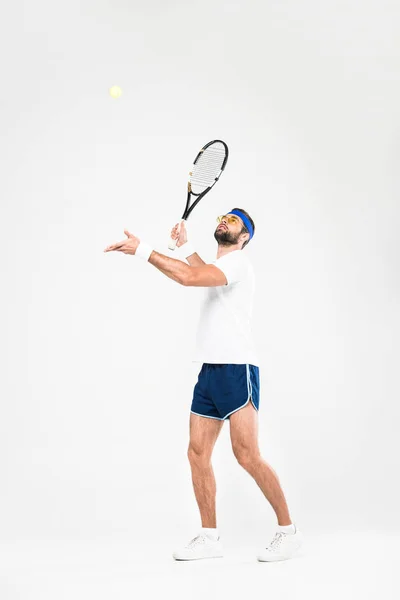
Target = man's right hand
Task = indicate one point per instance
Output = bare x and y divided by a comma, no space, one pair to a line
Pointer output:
182,239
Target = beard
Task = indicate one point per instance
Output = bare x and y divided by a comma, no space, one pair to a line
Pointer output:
225,238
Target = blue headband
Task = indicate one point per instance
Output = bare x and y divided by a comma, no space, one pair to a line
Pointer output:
245,220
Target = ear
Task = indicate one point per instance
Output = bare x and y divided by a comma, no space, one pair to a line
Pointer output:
244,236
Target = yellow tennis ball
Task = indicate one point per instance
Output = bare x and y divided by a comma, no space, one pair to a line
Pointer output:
115,91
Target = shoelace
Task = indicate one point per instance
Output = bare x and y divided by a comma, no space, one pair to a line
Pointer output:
199,539
276,541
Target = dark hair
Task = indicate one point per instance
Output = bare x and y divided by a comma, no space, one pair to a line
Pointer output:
244,228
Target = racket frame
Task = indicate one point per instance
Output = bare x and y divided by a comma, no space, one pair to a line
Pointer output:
188,209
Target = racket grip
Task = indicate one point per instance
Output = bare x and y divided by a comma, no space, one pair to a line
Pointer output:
172,243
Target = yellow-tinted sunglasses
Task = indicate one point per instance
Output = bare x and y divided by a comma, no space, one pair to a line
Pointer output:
230,218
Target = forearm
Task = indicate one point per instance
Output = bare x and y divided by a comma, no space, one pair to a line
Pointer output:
194,260
172,268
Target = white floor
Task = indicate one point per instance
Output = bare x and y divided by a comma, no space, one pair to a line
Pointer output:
332,566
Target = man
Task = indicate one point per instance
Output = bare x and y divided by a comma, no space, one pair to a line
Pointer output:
228,382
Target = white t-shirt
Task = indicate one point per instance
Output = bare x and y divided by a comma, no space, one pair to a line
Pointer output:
224,333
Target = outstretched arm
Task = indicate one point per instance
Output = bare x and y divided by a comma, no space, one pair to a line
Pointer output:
171,267
202,276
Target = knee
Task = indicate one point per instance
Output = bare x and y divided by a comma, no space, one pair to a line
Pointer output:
246,457
197,455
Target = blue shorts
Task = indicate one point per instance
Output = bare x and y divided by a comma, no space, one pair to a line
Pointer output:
222,389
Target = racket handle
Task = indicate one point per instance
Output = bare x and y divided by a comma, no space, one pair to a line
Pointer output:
172,243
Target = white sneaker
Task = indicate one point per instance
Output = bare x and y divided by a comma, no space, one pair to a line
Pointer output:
282,547
201,546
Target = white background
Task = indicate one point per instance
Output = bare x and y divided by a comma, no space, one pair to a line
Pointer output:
96,348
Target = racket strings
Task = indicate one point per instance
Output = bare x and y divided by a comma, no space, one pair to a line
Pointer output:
208,166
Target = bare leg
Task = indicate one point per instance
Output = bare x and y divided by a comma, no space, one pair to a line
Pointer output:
244,438
203,435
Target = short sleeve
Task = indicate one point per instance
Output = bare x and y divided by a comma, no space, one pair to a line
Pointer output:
233,266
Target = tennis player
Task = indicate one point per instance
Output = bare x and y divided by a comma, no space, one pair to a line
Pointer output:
228,385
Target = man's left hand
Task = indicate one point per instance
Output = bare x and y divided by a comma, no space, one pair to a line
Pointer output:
128,246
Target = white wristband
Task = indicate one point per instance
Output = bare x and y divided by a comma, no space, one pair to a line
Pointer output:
143,251
187,249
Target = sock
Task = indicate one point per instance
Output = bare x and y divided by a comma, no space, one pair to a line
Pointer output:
211,532
291,529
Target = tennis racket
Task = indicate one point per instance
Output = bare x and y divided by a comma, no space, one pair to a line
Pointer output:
206,170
